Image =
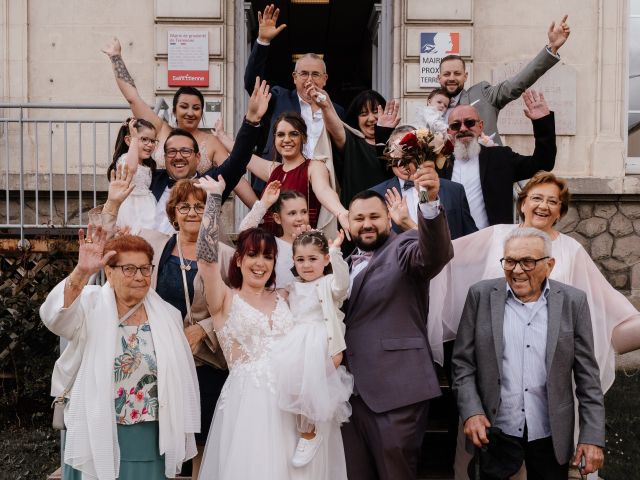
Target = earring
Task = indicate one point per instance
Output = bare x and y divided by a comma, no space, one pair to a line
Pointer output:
175,225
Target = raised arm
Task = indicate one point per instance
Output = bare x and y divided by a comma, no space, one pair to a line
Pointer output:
544,133
128,88
131,158
234,167
332,121
267,31
504,92
328,197
260,208
340,281
208,246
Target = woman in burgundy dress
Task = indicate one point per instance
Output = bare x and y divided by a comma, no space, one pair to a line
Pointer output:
307,176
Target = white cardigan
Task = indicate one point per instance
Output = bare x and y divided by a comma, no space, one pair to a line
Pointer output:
332,291
90,324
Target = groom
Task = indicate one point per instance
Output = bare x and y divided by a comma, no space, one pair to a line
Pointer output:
387,348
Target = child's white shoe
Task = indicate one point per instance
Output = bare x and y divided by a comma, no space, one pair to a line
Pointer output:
306,450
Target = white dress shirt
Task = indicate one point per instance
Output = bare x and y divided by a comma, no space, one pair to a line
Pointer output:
411,194
315,125
467,172
523,389
430,210
453,103
162,223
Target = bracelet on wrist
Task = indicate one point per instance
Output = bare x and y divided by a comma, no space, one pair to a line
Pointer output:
253,124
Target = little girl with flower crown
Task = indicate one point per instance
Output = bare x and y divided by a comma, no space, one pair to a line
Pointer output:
311,382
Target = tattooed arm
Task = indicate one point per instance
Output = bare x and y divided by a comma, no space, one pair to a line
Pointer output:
216,292
128,87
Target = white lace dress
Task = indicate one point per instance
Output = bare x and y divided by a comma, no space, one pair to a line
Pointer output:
138,210
251,437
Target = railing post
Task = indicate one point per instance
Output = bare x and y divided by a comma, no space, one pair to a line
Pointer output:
24,244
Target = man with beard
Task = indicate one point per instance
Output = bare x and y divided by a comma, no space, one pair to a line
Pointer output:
490,99
488,173
386,334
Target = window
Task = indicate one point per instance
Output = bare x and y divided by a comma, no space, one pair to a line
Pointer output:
633,146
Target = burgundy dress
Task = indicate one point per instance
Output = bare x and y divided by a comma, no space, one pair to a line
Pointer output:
298,180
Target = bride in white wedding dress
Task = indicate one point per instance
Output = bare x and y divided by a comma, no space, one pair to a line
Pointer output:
251,437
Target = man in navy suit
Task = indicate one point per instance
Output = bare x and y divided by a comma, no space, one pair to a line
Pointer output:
182,156
310,70
452,197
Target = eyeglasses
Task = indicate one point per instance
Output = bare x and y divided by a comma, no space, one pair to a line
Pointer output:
527,264
469,123
185,208
131,270
304,74
184,152
538,199
148,141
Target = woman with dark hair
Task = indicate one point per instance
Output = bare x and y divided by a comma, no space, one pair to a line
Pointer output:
251,437
188,107
133,406
369,122
135,144
308,176
177,280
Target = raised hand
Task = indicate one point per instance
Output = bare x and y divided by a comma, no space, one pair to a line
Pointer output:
343,220
398,209
389,116
317,95
427,177
267,29
133,131
120,185
91,255
337,242
558,34
112,48
271,193
535,105
210,185
258,102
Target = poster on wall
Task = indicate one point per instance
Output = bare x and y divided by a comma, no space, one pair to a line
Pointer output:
434,46
188,62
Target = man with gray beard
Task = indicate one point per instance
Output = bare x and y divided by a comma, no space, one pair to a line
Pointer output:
488,173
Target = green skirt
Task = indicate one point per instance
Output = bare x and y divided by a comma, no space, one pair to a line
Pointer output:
139,455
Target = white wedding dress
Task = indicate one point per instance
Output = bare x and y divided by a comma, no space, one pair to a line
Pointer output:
251,437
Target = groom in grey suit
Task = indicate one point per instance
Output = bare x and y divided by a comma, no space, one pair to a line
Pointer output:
490,99
520,343
386,332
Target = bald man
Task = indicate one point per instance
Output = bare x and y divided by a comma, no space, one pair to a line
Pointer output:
488,173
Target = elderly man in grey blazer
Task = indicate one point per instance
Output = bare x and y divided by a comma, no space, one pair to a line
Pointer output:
386,333
490,99
522,340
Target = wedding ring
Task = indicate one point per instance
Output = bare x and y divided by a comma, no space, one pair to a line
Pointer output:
321,98
88,240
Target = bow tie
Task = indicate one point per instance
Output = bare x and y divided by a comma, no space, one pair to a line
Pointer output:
360,257
408,184
171,182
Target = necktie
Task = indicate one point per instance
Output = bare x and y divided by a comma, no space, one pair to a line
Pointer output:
360,257
408,184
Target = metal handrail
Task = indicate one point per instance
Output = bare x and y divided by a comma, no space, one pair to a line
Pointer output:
21,136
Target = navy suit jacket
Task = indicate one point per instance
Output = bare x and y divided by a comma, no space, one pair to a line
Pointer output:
282,99
232,169
452,198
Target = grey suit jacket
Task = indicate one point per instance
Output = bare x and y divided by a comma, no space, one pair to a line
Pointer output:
492,98
388,351
477,362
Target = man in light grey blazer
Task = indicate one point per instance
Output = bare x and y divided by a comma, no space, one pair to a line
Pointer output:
521,342
490,99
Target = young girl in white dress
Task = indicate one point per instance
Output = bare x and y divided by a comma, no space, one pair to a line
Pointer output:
311,382
135,144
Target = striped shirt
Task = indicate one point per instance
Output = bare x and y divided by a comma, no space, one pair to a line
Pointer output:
523,395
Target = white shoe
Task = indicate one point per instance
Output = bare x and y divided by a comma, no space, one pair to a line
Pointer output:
306,450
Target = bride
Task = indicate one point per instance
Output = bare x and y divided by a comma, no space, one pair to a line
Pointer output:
251,437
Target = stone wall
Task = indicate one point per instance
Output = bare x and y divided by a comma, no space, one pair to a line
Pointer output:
610,232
